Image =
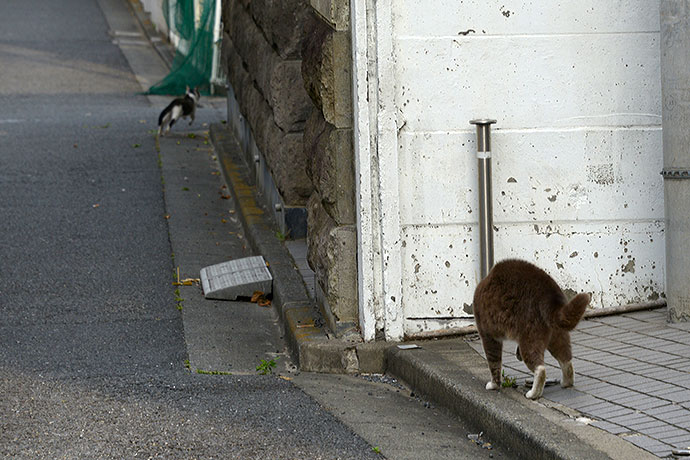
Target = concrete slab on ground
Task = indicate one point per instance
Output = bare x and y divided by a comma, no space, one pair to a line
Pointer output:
221,336
632,378
452,374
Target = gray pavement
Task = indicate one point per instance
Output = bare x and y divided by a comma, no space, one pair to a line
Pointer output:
631,392
101,355
632,378
630,398
93,357
452,373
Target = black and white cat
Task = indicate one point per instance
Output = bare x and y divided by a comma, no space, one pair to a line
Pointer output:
182,107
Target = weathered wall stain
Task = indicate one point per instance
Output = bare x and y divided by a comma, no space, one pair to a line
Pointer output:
629,267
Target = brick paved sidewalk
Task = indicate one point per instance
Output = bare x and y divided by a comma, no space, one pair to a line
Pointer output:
632,378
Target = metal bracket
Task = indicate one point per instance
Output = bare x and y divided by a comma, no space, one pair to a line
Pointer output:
676,173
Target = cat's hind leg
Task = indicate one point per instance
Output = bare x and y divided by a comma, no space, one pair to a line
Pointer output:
559,347
164,127
494,353
533,356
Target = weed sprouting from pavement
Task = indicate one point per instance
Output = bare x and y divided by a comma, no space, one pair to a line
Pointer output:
204,372
508,381
266,366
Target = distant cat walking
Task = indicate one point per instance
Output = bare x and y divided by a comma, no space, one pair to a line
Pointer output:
182,107
521,302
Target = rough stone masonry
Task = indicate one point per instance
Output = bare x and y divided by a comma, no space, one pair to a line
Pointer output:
290,67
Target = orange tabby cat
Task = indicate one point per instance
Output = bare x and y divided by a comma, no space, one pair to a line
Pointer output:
519,301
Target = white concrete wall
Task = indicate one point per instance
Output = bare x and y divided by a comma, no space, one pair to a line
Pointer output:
155,9
575,87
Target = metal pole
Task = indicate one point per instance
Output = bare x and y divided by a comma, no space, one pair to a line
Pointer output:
675,81
486,235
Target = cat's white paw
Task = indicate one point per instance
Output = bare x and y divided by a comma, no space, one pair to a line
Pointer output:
492,386
532,394
568,374
538,384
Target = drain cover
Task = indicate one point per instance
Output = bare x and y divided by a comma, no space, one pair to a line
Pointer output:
236,278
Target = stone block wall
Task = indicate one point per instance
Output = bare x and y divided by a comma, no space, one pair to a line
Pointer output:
262,42
289,64
332,240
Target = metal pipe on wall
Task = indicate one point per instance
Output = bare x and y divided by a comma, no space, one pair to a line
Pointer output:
675,81
486,234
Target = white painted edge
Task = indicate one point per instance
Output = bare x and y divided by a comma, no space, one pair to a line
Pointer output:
388,172
215,46
376,170
366,281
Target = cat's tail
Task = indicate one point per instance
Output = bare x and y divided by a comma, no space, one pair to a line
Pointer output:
571,313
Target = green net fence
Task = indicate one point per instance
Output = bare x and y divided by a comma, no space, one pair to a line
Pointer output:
191,24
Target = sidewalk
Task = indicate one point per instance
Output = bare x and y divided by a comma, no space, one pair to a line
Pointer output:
632,378
632,390
631,397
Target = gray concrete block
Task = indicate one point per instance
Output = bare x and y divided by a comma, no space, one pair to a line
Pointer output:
333,256
236,278
335,12
327,71
610,427
645,442
330,166
279,80
282,23
282,149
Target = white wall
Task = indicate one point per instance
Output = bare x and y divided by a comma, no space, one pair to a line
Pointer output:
575,87
155,9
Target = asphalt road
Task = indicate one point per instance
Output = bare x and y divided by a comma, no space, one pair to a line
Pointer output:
92,348
96,359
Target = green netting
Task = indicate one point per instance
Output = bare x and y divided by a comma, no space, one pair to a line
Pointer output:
192,22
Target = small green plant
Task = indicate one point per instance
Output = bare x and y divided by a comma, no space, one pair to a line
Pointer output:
508,381
178,299
136,146
266,366
203,372
185,189
191,135
281,236
376,449
187,364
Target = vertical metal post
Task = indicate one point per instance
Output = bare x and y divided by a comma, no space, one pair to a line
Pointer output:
486,234
675,111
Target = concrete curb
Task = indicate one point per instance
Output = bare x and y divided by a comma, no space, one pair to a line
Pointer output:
310,346
528,429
